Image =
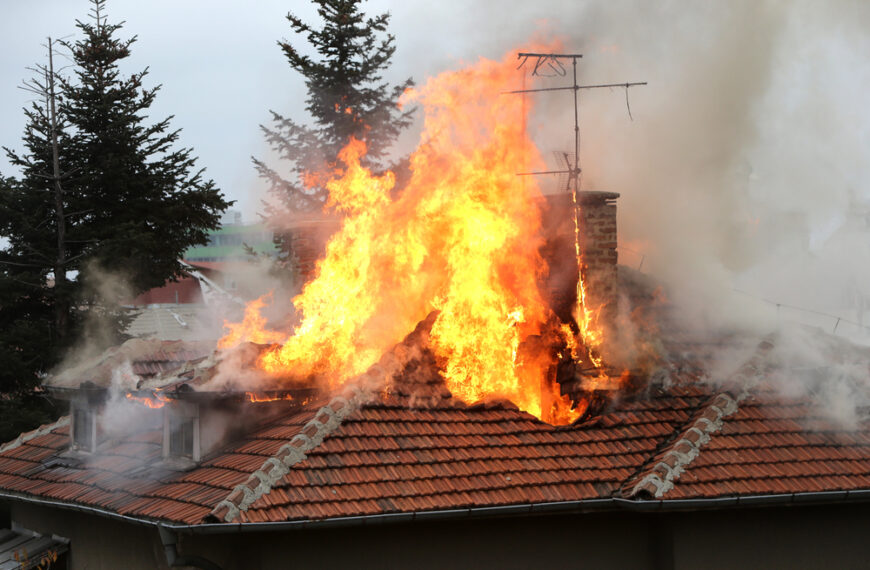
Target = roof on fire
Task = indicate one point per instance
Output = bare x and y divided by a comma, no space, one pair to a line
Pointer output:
148,358
357,456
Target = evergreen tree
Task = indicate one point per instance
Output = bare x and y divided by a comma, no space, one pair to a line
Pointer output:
35,307
346,97
29,343
146,202
99,187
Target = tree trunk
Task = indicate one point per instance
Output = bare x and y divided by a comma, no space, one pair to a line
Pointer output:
61,303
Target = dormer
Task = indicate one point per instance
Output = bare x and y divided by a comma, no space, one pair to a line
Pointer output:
195,423
181,433
86,404
83,429
157,396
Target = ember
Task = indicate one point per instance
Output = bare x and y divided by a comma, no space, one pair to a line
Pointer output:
154,401
256,398
462,238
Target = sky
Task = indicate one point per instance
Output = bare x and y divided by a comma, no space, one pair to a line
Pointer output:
744,165
220,67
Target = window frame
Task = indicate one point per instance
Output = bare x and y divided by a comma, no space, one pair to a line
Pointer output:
83,414
180,414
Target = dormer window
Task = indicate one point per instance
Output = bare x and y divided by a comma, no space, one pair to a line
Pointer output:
84,428
181,436
181,432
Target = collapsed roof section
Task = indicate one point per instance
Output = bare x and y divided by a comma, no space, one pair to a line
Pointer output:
134,361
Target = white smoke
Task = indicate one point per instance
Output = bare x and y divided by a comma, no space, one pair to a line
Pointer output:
742,174
122,416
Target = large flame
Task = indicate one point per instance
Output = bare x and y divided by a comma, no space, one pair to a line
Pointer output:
460,238
252,328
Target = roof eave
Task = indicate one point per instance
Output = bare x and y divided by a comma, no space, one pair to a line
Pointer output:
581,506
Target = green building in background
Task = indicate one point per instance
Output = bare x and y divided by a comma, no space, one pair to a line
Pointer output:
228,242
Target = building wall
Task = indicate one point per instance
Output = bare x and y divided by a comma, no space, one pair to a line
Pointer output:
96,543
586,541
773,537
783,537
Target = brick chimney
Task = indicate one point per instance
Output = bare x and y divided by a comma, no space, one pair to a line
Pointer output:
596,217
308,237
596,220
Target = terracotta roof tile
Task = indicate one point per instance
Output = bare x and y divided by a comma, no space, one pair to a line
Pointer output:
383,457
775,445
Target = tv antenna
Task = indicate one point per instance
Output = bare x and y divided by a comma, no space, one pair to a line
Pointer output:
555,65
552,65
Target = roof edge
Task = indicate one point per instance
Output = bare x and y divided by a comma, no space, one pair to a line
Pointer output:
588,505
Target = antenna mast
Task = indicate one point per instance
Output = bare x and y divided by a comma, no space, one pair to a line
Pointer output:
552,64
555,64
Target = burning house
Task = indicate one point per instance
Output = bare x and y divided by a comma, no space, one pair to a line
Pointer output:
471,380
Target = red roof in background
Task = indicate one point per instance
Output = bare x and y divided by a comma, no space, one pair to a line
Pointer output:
215,265
340,458
185,290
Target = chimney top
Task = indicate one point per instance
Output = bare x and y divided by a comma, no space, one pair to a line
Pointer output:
597,196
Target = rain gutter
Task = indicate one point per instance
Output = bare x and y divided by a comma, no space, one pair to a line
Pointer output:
610,503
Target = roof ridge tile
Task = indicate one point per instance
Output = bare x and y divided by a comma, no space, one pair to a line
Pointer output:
310,435
672,462
660,478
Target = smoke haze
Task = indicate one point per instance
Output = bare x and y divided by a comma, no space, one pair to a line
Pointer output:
742,174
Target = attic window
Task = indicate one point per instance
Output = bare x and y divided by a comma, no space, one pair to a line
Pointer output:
181,432
181,436
84,432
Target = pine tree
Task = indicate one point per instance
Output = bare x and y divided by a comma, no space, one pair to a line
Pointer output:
99,187
346,97
29,340
35,312
146,201
27,326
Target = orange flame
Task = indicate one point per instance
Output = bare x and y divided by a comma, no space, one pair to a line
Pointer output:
155,402
586,317
460,238
252,328
258,398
